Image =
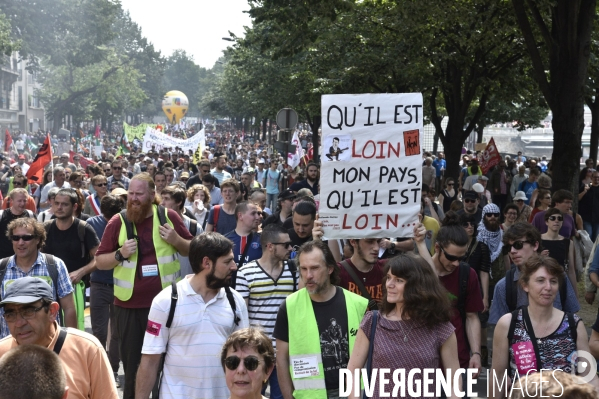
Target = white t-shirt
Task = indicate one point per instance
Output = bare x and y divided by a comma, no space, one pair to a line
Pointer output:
192,366
265,294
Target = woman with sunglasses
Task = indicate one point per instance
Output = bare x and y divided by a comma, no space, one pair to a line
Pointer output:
248,359
413,330
538,336
557,246
447,196
542,203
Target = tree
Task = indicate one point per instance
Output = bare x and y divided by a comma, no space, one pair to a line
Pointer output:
558,40
7,44
183,74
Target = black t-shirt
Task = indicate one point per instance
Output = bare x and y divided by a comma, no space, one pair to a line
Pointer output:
5,244
331,317
275,218
66,244
196,179
477,216
296,241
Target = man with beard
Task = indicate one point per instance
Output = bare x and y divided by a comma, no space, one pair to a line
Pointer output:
311,180
143,265
265,283
194,340
471,201
313,309
490,234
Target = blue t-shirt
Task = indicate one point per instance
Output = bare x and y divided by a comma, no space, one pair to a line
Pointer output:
439,164
253,252
528,189
272,181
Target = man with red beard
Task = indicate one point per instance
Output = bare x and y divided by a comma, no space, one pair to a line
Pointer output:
143,265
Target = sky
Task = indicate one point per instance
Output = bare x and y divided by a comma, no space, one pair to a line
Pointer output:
196,26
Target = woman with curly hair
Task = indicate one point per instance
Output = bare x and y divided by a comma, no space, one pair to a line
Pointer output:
414,329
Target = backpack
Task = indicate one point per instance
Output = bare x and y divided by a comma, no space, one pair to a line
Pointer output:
3,214
129,226
193,227
215,219
511,291
80,233
293,270
463,279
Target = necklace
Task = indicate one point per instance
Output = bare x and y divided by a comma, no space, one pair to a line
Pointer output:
405,336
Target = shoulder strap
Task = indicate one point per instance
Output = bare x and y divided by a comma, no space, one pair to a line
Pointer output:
375,317
205,220
572,323
128,225
215,218
3,266
53,271
372,305
293,270
231,300
510,331
511,292
233,280
464,277
47,225
531,334
193,227
62,335
81,233
161,215
174,298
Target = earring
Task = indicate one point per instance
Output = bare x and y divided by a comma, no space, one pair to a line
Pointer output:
265,381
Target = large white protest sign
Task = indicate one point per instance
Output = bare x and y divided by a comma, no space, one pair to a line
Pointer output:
158,140
371,165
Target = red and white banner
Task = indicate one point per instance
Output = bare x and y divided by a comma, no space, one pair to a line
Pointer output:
490,157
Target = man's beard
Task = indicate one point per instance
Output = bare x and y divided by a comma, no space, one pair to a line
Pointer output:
491,225
138,215
216,283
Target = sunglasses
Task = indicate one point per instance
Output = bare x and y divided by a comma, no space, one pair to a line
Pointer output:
467,224
250,362
285,244
492,214
469,201
449,184
452,258
101,184
518,245
553,218
117,168
17,183
24,237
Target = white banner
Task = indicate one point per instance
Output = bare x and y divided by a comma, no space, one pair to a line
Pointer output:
371,172
158,140
294,158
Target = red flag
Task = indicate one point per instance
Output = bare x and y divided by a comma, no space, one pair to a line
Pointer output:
97,134
35,173
85,162
490,157
7,141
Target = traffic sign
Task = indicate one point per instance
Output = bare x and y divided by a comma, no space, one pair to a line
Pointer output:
287,119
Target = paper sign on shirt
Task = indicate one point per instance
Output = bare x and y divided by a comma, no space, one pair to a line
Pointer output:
371,174
149,270
305,367
524,357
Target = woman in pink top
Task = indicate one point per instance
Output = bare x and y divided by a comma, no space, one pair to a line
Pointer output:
413,330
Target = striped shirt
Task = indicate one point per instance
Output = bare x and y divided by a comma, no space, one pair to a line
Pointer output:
39,269
265,294
192,367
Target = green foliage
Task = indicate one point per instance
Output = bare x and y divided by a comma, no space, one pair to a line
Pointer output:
7,44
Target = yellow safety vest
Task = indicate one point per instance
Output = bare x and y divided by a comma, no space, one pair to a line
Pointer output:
169,268
305,341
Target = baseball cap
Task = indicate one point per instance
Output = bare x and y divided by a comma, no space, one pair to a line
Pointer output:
184,174
26,290
287,194
21,156
261,160
470,195
119,191
483,178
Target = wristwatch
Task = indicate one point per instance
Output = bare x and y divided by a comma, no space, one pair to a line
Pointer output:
119,256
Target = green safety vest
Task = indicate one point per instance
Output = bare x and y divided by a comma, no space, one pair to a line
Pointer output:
305,341
166,255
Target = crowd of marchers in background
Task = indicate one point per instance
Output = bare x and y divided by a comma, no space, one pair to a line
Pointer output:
214,279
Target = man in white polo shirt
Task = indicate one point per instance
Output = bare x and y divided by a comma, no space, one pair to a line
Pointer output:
207,311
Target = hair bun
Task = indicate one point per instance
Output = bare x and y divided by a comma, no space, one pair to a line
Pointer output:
451,219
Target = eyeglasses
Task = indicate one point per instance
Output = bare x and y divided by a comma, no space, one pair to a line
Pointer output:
469,201
285,244
250,362
467,224
27,313
511,214
452,258
553,218
518,245
24,237
101,184
492,214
